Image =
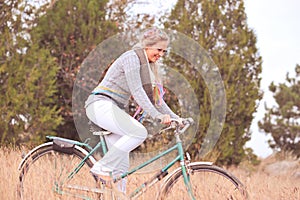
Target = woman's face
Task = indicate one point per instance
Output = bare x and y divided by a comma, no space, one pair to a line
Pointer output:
156,51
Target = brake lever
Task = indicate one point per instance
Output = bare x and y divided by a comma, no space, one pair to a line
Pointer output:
172,126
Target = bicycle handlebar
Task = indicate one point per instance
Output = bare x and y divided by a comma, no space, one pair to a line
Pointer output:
175,123
187,123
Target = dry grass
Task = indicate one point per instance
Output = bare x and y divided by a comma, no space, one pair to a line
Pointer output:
9,161
259,184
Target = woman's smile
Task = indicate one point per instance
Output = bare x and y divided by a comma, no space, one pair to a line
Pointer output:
155,52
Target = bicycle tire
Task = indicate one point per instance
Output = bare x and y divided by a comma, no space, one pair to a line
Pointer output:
44,168
207,182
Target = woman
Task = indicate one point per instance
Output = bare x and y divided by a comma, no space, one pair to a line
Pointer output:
134,74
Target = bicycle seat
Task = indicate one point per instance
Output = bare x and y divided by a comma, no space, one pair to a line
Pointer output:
97,130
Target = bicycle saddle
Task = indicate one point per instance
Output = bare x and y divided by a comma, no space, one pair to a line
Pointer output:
97,130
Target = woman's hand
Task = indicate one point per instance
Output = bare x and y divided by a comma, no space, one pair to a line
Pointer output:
164,119
180,122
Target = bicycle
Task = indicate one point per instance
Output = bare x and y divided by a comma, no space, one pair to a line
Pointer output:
62,164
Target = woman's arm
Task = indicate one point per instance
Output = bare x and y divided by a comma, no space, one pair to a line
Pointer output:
133,77
165,109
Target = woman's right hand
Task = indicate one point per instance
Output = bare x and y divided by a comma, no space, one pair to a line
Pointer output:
164,119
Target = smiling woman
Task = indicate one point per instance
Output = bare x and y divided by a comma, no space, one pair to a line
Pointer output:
155,42
134,73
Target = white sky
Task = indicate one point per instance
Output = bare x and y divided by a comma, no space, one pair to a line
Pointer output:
277,27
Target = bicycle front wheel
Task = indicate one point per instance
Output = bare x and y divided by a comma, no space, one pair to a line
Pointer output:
45,174
207,181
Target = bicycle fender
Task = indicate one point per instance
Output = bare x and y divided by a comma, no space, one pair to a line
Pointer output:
31,152
200,163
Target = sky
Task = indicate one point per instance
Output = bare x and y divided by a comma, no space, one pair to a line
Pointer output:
277,28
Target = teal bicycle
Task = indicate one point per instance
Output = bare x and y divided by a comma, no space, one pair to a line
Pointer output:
59,169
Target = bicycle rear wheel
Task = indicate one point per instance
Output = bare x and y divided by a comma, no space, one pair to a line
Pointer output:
44,174
207,181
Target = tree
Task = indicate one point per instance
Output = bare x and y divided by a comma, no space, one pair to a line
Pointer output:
69,30
220,27
28,81
282,120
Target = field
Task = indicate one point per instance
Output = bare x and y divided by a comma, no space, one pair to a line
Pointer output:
261,181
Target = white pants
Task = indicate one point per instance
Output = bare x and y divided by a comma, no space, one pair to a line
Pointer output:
127,134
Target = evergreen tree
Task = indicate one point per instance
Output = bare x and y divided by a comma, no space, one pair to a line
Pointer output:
27,79
69,31
220,27
282,121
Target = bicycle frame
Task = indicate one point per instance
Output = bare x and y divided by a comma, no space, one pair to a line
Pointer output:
164,170
143,187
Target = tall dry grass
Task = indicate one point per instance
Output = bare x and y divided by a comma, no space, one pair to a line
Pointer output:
9,161
259,184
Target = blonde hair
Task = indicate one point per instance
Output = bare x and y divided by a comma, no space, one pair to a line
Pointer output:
152,36
149,38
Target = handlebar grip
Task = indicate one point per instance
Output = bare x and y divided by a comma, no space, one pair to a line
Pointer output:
190,120
187,122
184,128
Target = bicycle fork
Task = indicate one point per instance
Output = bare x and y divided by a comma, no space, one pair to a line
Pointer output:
184,167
